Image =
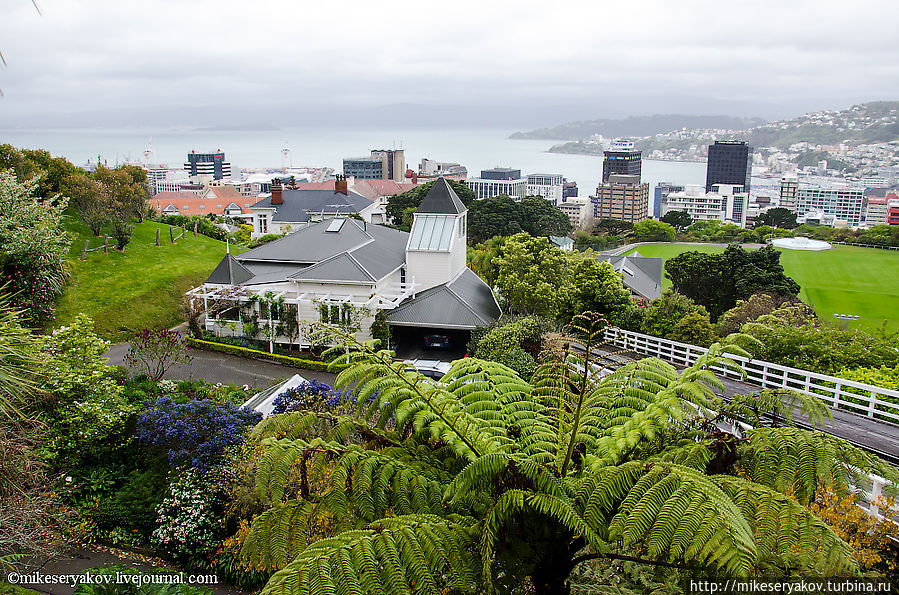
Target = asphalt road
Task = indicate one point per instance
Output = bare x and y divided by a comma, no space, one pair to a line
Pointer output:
215,367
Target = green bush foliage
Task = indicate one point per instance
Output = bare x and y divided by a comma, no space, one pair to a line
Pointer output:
675,316
789,337
513,341
296,362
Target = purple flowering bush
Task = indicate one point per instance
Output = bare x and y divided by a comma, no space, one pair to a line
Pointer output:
314,395
195,433
311,395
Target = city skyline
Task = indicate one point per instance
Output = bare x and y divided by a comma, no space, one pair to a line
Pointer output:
102,63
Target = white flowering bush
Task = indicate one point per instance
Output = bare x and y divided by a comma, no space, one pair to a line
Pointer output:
186,525
91,413
76,366
167,387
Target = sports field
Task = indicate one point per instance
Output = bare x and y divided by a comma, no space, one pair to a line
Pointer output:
845,280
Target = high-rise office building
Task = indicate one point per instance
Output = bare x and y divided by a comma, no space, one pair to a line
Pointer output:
789,190
208,164
729,162
364,168
383,164
623,198
394,161
497,181
621,159
661,192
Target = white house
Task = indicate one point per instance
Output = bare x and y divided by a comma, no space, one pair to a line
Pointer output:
341,269
289,209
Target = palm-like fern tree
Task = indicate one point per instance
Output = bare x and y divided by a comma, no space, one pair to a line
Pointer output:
484,481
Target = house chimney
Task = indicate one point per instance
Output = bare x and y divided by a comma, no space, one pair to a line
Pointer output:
340,185
277,192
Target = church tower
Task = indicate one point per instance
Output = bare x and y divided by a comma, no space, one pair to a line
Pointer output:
436,250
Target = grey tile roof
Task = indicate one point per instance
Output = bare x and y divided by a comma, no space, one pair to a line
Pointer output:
465,302
642,275
230,272
441,199
310,244
359,252
340,267
298,205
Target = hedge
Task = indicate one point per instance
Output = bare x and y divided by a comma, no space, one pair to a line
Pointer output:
296,362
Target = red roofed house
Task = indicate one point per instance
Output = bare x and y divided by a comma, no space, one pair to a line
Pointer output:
220,200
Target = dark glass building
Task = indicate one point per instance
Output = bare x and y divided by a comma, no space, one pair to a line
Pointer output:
621,160
501,173
729,162
213,164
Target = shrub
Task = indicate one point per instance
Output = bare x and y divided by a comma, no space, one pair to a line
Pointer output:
788,337
296,362
312,394
186,525
155,351
194,433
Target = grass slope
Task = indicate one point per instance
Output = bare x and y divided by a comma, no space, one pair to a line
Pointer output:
140,288
845,280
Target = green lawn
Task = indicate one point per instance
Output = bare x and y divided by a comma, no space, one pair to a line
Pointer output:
845,280
140,288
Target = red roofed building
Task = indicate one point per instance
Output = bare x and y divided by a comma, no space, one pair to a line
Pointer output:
892,208
219,200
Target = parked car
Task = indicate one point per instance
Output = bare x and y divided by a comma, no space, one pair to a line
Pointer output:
435,341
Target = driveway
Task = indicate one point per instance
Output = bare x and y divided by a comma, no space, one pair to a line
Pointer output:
215,367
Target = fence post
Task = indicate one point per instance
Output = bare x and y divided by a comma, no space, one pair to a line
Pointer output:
195,228
172,234
105,244
157,236
84,251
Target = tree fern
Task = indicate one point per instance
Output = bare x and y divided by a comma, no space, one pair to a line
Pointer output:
473,483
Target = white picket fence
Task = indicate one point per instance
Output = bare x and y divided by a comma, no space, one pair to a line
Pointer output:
857,397
838,393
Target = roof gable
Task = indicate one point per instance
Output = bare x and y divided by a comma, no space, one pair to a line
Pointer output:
465,302
441,199
340,267
230,272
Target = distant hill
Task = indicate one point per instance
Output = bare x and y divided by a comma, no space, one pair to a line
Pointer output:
873,122
867,123
636,126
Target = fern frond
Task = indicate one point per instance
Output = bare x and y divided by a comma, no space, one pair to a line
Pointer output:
796,461
786,533
405,554
672,512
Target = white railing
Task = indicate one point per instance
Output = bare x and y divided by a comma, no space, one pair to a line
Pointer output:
830,389
838,393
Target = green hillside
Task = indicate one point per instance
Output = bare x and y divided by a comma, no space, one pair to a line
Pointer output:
845,280
140,288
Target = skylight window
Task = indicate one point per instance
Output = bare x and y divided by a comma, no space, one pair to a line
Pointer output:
335,225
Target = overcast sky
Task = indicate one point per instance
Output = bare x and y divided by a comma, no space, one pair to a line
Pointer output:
267,62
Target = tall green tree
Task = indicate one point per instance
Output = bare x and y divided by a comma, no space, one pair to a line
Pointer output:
650,230
535,277
777,217
486,483
679,220
494,216
717,281
532,276
539,217
612,227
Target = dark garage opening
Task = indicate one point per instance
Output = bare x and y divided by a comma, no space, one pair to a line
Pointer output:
410,343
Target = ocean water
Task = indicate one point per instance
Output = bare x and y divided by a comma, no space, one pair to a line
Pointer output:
476,149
